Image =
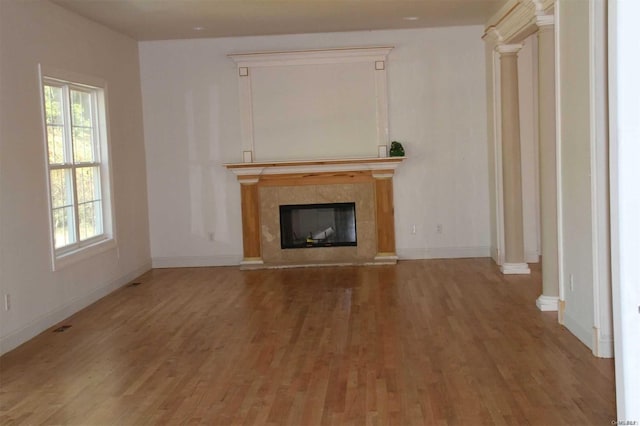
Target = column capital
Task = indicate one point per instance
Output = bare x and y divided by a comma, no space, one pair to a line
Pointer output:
508,49
545,22
492,35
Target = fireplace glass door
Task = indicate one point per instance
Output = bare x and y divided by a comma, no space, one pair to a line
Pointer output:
318,225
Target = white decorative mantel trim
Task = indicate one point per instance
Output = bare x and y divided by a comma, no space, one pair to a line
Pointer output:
245,62
312,56
379,166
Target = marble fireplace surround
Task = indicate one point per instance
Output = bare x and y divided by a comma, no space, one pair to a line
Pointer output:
365,181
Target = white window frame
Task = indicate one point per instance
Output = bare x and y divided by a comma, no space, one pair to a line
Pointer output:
80,250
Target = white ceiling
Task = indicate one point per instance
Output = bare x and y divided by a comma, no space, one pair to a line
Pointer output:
180,19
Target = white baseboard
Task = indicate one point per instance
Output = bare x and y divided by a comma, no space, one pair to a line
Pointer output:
443,252
582,333
547,303
40,324
495,255
531,257
602,344
196,261
515,269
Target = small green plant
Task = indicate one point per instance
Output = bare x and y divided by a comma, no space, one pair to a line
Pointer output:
396,149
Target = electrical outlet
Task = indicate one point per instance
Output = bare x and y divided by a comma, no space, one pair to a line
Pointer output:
7,302
439,228
571,282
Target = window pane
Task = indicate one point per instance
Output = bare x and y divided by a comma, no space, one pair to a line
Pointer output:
80,108
53,105
88,181
61,188
54,117
82,127
55,143
90,220
83,145
63,230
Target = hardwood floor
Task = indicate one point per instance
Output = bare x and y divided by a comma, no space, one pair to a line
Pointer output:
432,342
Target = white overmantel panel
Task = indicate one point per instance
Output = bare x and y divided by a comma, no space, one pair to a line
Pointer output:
308,104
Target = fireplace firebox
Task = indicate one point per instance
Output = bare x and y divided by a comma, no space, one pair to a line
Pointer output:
318,225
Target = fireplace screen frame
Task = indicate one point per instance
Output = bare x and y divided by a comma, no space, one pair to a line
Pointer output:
318,237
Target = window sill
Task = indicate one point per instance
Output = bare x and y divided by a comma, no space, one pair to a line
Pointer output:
83,253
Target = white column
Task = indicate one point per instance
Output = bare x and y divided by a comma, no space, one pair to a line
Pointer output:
511,162
548,300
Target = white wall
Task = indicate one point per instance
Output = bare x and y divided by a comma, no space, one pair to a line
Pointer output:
577,166
624,68
437,109
41,32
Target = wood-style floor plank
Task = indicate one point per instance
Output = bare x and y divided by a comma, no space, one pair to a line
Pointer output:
435,342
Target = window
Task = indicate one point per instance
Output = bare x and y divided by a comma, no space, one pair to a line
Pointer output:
75,130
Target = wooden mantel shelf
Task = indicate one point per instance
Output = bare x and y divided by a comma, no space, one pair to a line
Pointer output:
385,164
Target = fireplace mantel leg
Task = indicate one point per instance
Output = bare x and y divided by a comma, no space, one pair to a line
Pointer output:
385,219
250,203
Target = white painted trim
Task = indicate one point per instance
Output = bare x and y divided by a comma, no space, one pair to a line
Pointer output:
107,240
559,195
251,261
443,252
495,255
515,269
532,257
516,20
497,118
195,261
44,321
508,48
311,56
602,344
599,173
536,146
624,133
385,258
593,170
383,166
545,20
547,303
298,58
62,261
576,328
246,114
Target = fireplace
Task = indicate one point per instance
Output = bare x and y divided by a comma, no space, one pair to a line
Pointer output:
362,187
318,225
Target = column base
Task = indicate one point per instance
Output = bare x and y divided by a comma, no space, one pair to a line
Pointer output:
547,303
385,259
515,268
